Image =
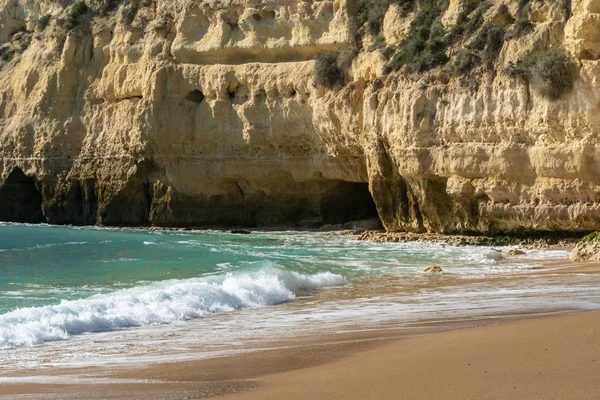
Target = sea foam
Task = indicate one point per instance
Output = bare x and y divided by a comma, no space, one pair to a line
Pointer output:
159,303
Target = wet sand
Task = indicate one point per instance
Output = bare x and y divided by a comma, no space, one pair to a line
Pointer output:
547,358
537,358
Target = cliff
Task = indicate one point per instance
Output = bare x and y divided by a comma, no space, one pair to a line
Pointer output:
200,113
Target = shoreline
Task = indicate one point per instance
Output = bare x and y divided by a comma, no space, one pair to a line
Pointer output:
548,356
532,241
271,371
551,358
535,240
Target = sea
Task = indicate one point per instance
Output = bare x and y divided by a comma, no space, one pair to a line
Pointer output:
89,296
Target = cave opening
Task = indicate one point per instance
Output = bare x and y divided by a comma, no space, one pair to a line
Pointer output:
195,96
348,201
20,200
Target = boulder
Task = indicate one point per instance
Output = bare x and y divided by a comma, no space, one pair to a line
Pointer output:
515,252
433,269
331,227
363,224
239,231
587,249
494,255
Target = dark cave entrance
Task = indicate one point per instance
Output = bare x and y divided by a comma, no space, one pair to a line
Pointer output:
348,201
195,96
20,201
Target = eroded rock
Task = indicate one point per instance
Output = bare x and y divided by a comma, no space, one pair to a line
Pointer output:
515,252
204,113
587,249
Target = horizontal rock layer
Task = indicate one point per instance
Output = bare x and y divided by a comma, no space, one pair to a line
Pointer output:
205,113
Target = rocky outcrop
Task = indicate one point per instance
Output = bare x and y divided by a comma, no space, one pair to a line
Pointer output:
179,113
587,249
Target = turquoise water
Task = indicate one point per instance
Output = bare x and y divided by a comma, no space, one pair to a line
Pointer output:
59,282
48,264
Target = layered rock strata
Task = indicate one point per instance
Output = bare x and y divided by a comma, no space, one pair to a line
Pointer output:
203,113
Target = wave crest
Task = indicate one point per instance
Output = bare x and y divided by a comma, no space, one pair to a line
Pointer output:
159,303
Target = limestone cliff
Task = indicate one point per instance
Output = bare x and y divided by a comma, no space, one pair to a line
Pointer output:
189,112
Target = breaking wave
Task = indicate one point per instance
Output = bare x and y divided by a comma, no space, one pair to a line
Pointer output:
162,302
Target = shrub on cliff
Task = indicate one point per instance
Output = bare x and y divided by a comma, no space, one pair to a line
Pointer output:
551,73
590,237
426,44
109,6
6,53
78,10
328,72
489,41
371,13
465,62
43,22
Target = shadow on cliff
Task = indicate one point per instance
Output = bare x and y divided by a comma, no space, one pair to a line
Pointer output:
20,200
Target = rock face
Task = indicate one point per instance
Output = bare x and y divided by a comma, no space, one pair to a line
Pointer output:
587,249
181,112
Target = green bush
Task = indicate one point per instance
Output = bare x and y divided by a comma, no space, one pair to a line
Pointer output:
328,72
523,3
78,10
477,19
110,6
465,62
374,12
426,44
494,42
490,40
590,237
24,45
518,70
43,22
552,73
6,53
371,13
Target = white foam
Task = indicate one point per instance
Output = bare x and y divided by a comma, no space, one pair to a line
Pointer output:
159,303
68,380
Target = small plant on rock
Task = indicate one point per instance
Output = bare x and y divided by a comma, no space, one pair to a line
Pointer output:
553,73
78,10
328,72
43,23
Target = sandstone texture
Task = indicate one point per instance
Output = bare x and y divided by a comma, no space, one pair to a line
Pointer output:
204,113
525,241
587,249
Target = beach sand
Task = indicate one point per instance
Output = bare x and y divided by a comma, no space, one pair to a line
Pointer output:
554,357
546,358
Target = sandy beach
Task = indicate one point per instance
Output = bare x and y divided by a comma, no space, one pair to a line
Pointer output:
545,358
526,355
548,358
